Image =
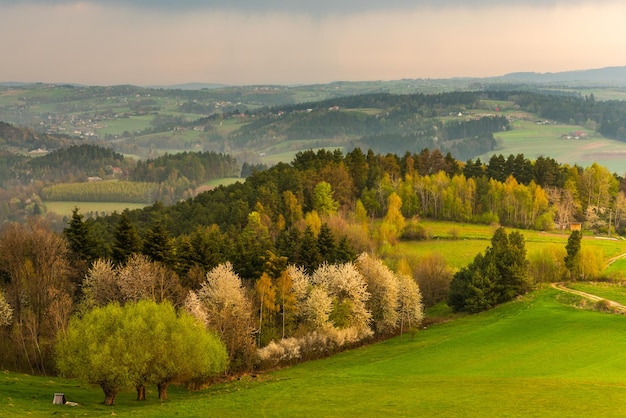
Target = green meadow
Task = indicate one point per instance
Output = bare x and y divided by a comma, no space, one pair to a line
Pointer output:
66,208
459,243
534,140
539,356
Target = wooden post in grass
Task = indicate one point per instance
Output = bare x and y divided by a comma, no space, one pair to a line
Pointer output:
59,399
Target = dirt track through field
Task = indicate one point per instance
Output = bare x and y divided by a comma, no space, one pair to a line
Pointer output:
616,306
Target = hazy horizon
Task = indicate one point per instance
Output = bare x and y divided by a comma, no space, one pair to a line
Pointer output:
285,42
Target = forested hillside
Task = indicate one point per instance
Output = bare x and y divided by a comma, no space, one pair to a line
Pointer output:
292,202
89,173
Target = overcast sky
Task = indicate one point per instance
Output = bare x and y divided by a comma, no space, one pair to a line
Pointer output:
159,42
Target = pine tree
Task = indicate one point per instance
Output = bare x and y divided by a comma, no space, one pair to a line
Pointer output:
495,277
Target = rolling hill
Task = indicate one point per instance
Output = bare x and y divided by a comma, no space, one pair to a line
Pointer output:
539,356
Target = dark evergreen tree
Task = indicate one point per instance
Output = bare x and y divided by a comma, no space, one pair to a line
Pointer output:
326,244
496,168
209,247
251,247
473,169
458,292
482,291
345,252
288,243
82,243
508,255
157,244
522,169
357,166
308,251
126,240
572,259
495,277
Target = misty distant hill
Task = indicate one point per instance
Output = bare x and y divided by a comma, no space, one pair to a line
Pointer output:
599,76
192,86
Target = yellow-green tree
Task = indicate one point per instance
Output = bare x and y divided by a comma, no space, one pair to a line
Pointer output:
266,295
393,224
117,347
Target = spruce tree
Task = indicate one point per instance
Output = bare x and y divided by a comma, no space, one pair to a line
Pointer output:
127,241
157,245
308,252
82,243
326,244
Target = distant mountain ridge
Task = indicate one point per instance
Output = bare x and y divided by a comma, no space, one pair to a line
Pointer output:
614,76
607,75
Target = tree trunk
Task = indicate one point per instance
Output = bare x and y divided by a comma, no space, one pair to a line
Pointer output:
141,393
163,390
109,394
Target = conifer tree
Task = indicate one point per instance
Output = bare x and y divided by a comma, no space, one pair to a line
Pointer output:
308,251
326,244
572,259
495,277
127,241
157,245
82,244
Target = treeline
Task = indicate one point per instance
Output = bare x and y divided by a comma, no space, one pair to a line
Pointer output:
62,175
197,167
69,164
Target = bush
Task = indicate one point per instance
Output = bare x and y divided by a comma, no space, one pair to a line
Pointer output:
413,231
604,306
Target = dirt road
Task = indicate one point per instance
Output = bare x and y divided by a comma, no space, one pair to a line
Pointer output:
616,306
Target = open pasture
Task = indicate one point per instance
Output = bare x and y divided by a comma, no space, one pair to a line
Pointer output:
533,140
537,356
459,243
65,208
127,124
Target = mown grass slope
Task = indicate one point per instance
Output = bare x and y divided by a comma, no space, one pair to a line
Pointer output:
538,356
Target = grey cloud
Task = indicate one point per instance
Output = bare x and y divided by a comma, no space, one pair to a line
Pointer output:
306,7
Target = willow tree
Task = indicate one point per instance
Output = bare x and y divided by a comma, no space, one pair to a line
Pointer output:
117,347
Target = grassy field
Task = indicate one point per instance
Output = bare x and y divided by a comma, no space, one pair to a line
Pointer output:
533,140
538,356
65,208
130,124
459,243
618,269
